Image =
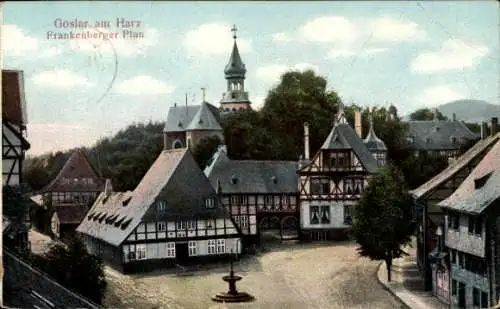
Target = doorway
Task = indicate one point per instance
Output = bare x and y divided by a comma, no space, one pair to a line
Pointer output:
461,295
181,252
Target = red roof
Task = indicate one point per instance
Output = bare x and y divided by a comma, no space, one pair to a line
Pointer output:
77,167
70,214
13,100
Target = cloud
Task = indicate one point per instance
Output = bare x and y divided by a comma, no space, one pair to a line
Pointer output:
348,53
393,30
272,73
281,37
123,47
16,42
143,85
47,137
440,94
60,79
453,54
258,102
213,39
329,29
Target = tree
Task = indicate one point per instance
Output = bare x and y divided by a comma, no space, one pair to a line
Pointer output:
427,114
205,149
73,267
384,221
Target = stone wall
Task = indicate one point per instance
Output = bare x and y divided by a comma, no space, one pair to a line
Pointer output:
20,278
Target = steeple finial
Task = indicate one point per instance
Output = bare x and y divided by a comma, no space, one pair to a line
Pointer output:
234,30
371,119
203,93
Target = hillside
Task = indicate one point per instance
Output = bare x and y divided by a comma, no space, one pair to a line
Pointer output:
470,110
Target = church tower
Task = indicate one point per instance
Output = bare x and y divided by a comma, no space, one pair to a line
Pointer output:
235,98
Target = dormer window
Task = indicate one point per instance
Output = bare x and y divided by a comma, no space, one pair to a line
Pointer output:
453,139
180,124
274,179
125,202
210,202
428,140
234,180
162,206
410,139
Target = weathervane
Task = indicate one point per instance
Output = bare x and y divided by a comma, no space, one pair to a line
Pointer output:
233,30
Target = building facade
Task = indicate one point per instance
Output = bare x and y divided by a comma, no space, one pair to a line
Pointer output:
332,182
472,238
187,125
259,195
235,98
174,216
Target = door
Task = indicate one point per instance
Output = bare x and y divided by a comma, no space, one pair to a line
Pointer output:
181,252
461,295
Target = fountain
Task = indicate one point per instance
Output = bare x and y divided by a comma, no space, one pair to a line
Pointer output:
232,296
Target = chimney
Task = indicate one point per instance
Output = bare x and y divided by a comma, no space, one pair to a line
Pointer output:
494,126
484,130
454,117
357,123
165,141
306,141
108,187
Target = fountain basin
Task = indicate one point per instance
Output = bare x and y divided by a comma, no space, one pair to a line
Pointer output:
231,278
239,297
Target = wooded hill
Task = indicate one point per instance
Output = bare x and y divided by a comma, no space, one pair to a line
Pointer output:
273,133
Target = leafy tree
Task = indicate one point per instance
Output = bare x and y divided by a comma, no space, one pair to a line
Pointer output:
16,208
426,114
35,173
205,149
384,221
72,266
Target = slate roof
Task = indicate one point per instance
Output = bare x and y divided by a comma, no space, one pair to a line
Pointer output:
175,177
252,176
343,136
372,142
204,119
474,152
438,135
13,99
235,66
489,164
77,166
180,117
70,214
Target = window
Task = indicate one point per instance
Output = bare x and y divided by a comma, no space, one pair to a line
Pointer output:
238,199
475,297
181,225
241,221
285,200
211,246
161,226
210,223
461,260
475,225
162,206
453,221
140,252
484,300
192,248
314,211
337,159
191,225
268,200
453,254
171,249
348,213
221,246
325,214
209,203
131,256
454,287
320,186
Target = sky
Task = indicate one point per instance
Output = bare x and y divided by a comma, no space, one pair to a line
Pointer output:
412,54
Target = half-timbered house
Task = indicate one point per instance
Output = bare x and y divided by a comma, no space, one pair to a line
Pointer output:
173,216
443,138
66,219
438,188
187,125
472,238
260,195
331,183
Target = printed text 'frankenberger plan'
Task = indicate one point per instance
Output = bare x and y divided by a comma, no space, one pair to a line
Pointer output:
75,29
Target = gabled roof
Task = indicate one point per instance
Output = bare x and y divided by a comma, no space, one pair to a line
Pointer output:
77,166
476,151
70,214
252,176
13,98
343,136
204,119
466,197
235,66
180,117
439,135
174,177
